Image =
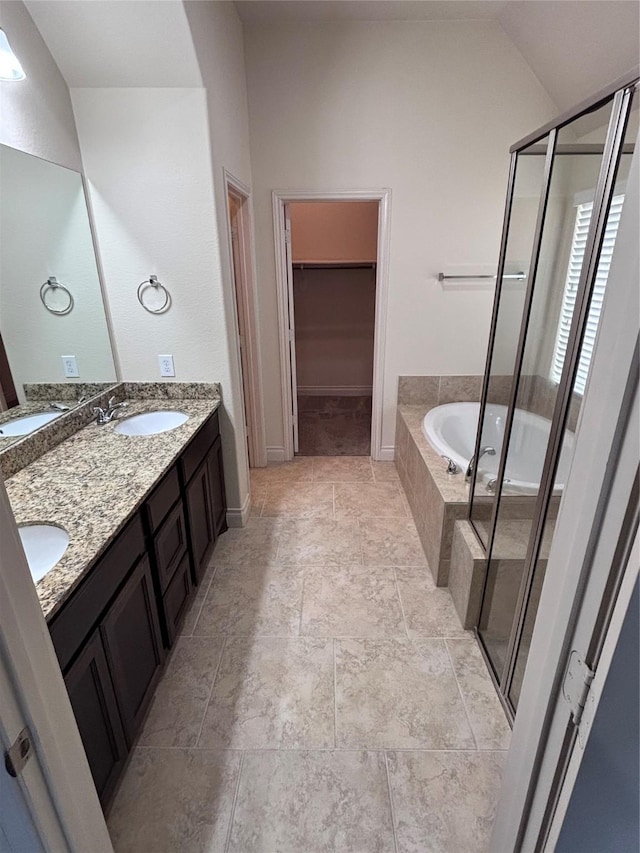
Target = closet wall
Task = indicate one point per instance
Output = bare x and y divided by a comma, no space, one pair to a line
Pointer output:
334,308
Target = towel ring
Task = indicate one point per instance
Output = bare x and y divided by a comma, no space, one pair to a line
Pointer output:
152,281
53,284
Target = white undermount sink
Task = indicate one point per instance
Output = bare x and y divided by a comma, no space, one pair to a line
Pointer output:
151,423
26,424
44,545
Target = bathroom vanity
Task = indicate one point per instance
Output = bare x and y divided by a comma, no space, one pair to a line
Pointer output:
143,513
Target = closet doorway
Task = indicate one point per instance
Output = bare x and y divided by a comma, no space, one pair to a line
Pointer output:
332,301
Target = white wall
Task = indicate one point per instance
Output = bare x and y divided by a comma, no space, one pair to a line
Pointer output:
154,158
428,109
45,231
36,113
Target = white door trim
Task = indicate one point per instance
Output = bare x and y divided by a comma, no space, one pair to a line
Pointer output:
249,297
280,198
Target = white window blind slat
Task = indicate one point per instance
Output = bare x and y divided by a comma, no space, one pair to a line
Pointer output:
574,268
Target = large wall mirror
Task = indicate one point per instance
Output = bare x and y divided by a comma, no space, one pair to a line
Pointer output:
55,349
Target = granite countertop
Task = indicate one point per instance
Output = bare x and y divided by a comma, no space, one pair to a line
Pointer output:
91,483
34,407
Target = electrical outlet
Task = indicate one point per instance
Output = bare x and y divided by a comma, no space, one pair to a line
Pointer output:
166,365
70,366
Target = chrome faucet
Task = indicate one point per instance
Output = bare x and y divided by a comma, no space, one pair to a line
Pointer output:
104,416
59,407
489,451
452,468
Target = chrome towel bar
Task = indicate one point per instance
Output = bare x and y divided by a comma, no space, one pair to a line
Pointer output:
517,276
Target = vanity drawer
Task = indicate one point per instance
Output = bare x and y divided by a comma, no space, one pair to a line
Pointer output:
81,612
175,601
170,545
198,446
163,498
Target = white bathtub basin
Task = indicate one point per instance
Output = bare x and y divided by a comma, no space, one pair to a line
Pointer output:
26,424
451,430
151,423
44,545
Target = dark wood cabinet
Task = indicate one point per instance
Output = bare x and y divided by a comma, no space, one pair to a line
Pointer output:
111,634
94,704
201,522
132,641
216,483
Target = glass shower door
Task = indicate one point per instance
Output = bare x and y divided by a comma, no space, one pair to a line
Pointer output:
516,493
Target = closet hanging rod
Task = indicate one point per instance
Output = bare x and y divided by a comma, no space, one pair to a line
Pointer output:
303,265
518,276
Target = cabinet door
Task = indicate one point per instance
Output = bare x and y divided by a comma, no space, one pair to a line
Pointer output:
216,480
201,523
131,636
96,710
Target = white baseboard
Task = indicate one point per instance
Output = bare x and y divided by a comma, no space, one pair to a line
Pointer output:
239,517
387,453
335,390
275,454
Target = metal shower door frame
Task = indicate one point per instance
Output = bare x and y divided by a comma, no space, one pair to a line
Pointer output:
620,94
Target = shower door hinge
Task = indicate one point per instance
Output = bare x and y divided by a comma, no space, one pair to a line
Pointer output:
576,685
19,753
287,236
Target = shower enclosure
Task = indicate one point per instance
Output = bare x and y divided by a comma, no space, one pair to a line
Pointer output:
565,196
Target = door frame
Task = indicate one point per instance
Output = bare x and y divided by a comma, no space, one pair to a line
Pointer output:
280,198
245,289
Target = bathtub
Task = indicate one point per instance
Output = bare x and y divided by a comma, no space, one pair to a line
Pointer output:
451,431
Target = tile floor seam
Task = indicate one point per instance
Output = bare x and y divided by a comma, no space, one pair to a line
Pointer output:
204,716
204,598
335,698
232,813
404,618
464,704
391,806
304,579
353,749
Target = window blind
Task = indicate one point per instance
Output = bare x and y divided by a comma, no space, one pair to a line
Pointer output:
576,258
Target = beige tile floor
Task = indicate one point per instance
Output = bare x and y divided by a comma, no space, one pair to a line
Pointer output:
322,696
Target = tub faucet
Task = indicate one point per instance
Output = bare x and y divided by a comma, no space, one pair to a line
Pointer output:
59,407
488,451
452,468
104,416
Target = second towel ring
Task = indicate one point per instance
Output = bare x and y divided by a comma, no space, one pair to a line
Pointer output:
152,281
53,284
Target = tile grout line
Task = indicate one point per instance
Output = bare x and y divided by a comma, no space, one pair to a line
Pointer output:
391,806
404,618
294,749
335,698
215,675
464,704
232,815
204,598
304,580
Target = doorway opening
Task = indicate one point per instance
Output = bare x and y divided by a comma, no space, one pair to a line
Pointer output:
331,253
240,234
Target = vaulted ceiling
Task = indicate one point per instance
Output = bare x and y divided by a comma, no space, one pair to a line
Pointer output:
574,47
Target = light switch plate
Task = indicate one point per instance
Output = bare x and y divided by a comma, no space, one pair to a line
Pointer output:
70,366
166,365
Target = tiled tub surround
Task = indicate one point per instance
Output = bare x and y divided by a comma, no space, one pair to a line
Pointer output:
322,696
92,482
436,498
